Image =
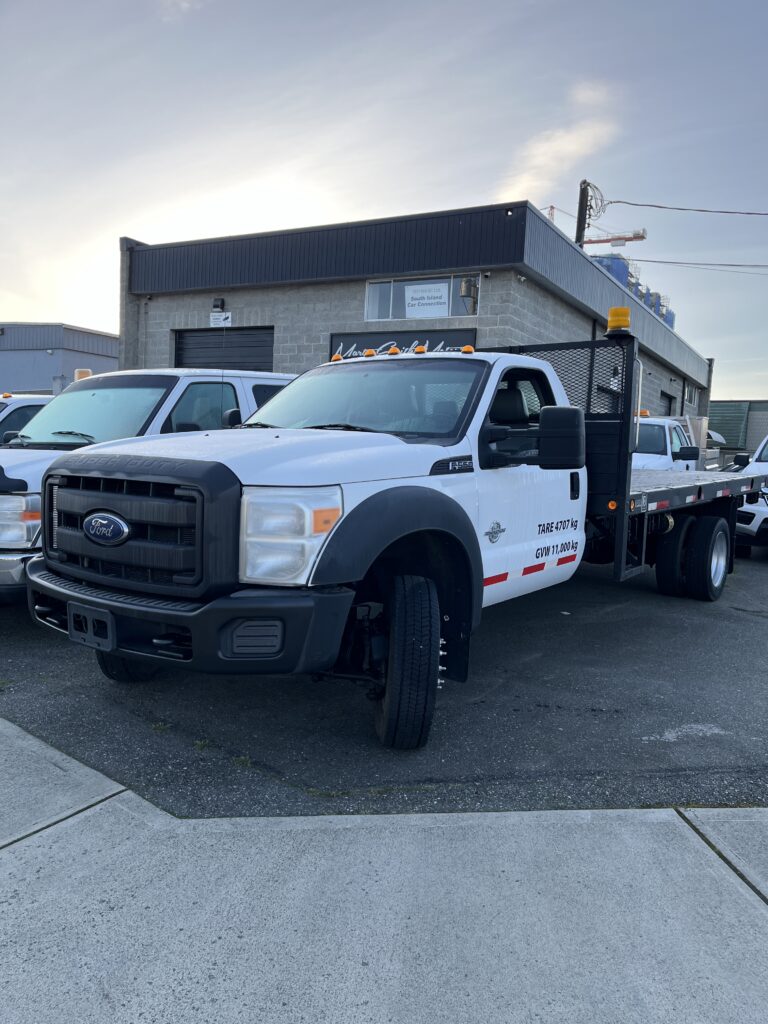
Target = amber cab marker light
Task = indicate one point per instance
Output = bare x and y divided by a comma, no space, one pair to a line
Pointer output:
336,358
394,351
467,348
618,318
369,352
644,412
420,350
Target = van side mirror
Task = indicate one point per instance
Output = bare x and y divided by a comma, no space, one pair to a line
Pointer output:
9,435
688,453
231,418
741,460
562,437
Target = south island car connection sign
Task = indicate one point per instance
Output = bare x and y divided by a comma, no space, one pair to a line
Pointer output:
352,345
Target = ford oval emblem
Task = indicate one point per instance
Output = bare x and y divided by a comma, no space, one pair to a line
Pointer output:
104,528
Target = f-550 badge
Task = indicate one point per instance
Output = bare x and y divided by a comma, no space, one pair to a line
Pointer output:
494,532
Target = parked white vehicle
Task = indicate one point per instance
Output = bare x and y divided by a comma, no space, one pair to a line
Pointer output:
363,520
752,522
17,410
126,403
663,443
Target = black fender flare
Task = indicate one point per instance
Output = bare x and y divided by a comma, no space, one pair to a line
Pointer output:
388,516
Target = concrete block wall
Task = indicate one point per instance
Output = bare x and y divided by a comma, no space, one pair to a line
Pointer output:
512,310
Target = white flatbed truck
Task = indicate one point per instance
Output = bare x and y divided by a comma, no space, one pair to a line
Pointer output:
360,522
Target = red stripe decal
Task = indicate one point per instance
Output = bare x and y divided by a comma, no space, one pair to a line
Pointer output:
566,559
533,568
501,578
662,504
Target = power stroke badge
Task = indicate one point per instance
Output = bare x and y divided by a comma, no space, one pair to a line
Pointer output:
494,531
105,528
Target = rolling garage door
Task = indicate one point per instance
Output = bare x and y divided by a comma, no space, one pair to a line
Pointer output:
246,348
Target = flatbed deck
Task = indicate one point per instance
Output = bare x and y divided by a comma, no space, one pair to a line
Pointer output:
657,490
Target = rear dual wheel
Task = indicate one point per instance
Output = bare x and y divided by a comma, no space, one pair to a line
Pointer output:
692,560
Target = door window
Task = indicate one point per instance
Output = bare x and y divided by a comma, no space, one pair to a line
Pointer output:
19,417
263,392
517,404
201,407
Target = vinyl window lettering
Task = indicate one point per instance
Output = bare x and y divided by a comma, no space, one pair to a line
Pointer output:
422,298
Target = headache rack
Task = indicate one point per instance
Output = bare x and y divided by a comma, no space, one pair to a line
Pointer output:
602,377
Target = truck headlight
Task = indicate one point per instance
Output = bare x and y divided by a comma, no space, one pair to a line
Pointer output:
19,520
282,530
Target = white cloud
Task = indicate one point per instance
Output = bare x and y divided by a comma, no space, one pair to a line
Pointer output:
590,94
172,10
549,156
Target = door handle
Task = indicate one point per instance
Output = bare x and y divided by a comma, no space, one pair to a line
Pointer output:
575,486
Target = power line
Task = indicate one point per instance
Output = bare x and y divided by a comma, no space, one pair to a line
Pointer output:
715,268
684,209
706,263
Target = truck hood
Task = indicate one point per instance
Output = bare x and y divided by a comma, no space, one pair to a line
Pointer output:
27,465
282,457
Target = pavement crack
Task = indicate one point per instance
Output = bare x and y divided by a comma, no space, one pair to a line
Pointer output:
723,857
62,819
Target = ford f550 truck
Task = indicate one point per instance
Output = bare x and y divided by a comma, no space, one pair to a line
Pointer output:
361,522
126,403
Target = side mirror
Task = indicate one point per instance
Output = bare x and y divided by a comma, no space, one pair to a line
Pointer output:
491,433
688,453
9,435
741,460
231,418
562,438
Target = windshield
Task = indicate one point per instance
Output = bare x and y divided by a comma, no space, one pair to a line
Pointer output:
94,410
762,455
3,405
409,397
651,440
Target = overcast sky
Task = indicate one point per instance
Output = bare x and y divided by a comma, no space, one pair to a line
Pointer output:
173,119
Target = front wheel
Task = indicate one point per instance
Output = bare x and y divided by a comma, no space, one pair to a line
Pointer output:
405,709
122,669
707,557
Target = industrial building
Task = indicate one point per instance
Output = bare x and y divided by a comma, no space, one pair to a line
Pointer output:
42,358
490,276
743,424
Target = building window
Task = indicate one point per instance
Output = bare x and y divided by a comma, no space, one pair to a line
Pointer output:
691,394
422,298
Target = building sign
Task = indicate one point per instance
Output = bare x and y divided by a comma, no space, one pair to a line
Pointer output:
427,299
219,319
352,345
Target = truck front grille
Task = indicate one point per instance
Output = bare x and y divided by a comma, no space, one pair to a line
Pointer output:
164,546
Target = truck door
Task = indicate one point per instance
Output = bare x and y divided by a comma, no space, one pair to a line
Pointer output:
678,440
531,520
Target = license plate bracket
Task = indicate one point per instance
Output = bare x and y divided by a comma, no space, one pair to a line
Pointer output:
91,627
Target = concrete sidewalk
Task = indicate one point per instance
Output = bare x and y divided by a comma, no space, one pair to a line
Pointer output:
112,910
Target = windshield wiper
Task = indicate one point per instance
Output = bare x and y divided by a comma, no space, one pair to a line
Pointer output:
268,426
342,426
74,433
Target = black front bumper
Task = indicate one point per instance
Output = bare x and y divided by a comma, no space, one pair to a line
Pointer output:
256,630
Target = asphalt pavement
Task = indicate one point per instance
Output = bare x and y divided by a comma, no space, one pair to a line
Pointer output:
589,695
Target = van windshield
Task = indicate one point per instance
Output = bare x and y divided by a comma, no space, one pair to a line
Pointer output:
651,440
412,397
97,409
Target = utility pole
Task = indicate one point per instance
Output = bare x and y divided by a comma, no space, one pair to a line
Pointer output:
581,213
